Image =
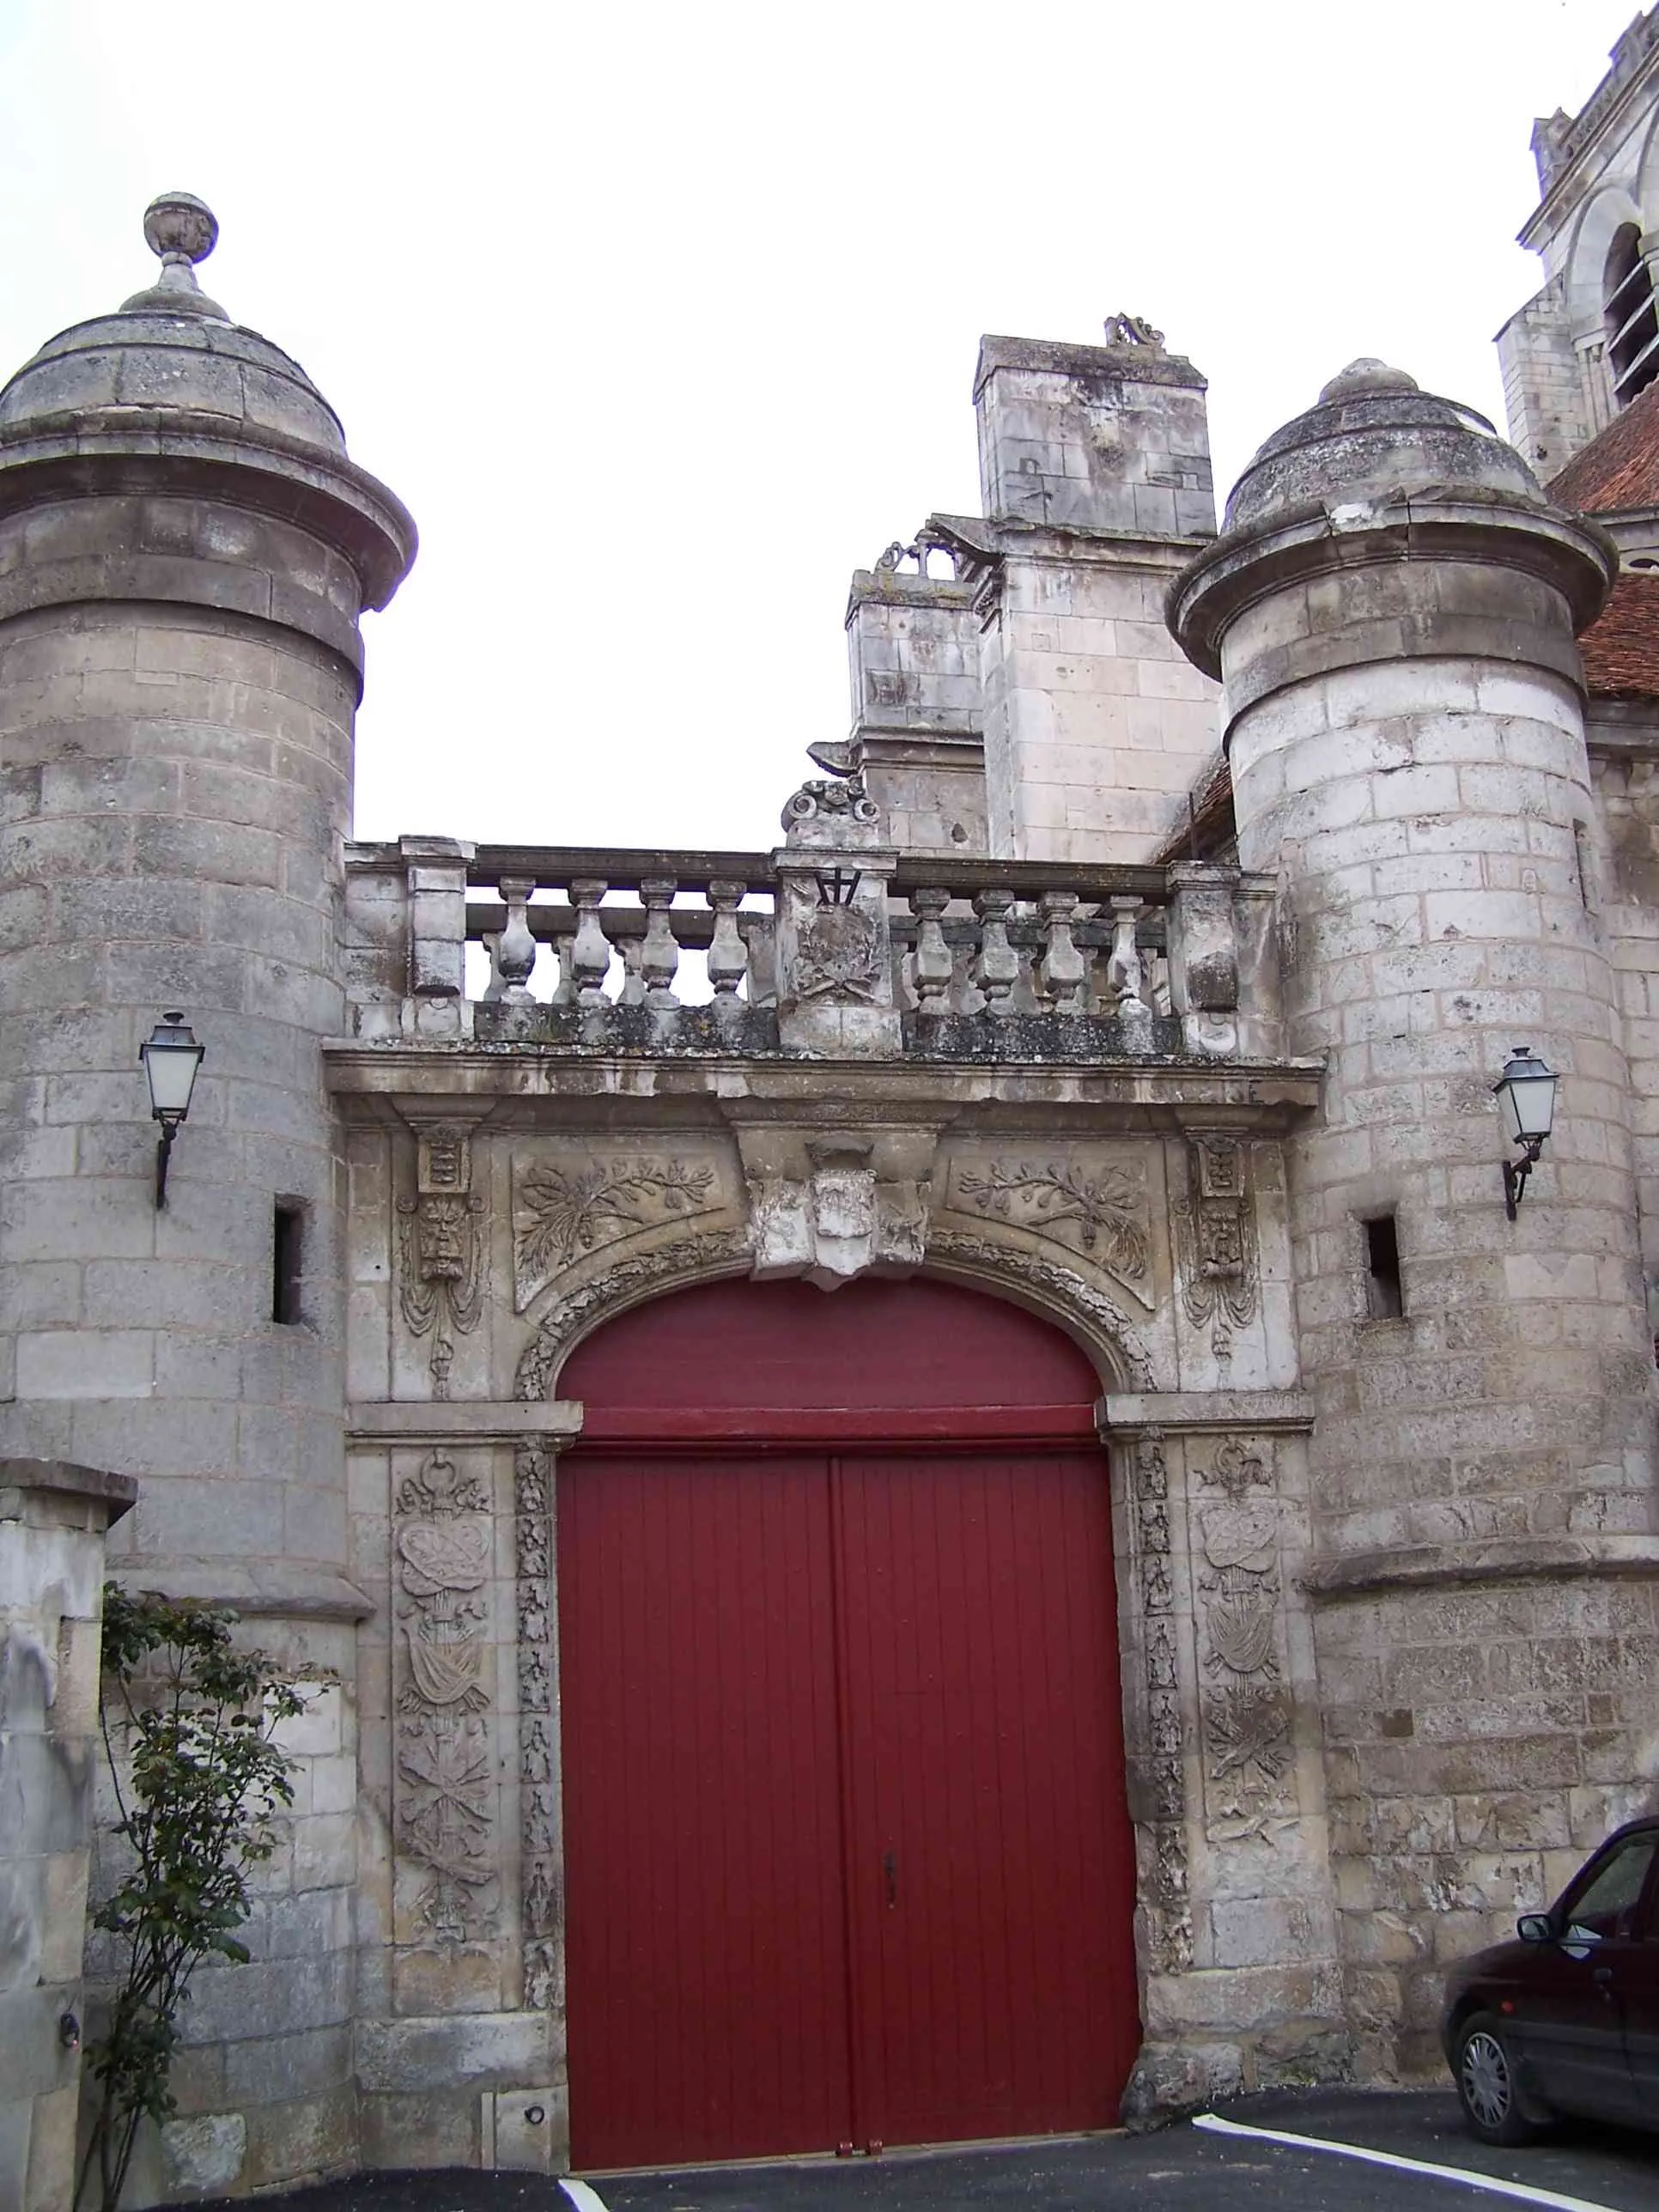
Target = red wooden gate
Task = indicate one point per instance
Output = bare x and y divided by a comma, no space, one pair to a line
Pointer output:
847,1855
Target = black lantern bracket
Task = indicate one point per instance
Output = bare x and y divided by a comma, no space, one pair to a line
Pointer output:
170,1057
1516,1171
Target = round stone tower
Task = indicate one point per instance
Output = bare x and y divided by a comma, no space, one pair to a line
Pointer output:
1392,609
185,552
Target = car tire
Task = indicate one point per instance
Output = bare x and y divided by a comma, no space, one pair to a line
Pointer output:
1483,2070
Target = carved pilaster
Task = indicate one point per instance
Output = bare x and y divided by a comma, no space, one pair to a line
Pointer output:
444,1788
1169,1903
1244,1709
541,1858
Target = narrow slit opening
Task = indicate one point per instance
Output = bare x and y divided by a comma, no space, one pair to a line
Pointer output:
286,1261
1385,1298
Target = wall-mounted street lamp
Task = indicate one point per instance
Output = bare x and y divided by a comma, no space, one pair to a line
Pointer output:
1526,1096
171,1056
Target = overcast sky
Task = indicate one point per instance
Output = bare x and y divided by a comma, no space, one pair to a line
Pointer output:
662,319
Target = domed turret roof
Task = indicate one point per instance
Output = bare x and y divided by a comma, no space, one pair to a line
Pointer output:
170,346
1374,433
168,395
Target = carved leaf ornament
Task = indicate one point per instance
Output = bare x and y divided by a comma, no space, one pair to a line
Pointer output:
568,1211
1109,1210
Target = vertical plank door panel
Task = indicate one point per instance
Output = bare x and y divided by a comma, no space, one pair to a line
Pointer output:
706,1947
847,1850
991,1854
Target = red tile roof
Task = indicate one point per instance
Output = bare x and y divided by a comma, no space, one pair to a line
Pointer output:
1619,467
1621,646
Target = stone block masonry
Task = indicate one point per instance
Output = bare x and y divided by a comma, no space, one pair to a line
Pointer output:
1429,814
53,1517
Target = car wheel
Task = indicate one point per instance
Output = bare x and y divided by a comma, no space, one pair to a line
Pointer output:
1484,2074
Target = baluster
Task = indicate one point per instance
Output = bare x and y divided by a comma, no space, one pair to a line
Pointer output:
590,956
659,955
1061,977
632,992
515,950
728,956
491,941
996,969
932,966
564,991
1123,971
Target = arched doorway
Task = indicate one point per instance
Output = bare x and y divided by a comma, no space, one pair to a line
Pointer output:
848,1853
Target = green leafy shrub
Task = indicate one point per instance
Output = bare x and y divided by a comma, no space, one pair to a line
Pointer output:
189,1724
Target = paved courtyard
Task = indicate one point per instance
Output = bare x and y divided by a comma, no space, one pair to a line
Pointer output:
1240,2166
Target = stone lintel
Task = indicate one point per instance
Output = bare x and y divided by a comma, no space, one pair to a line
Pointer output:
461,1421
1199,1413
51,1490
1519,1558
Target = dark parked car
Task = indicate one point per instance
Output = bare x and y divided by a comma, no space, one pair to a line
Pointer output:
1567,2019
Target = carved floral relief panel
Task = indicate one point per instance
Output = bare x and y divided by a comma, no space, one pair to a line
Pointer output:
1092,1203
574,1202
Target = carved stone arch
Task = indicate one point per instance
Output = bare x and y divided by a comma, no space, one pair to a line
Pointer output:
1602,216
1647,178
1064,1296
1079,1308
576,1314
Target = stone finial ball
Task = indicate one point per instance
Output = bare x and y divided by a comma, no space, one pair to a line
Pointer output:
1366,379
178,223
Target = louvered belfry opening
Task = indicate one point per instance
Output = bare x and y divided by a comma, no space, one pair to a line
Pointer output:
848,1854
1632,321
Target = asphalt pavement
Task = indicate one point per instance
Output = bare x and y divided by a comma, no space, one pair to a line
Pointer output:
1189,2167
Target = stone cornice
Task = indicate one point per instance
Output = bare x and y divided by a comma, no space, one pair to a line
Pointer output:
1201,1413
460,1421
536,1084
148,449
1519,1558
1244,566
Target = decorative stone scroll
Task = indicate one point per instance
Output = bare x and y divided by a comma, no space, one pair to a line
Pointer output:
1216,1242
440,1246
446,1786
1169,1899
1244,1709
1097,1208
567,1205
541,1886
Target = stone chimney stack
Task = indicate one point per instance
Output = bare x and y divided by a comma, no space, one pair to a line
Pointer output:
1391,608
184,551
1094,475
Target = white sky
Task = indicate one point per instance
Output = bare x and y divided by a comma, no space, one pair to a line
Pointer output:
662,319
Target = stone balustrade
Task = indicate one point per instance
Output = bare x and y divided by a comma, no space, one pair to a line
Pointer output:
595,948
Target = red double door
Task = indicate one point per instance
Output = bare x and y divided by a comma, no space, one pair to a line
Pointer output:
847,1855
